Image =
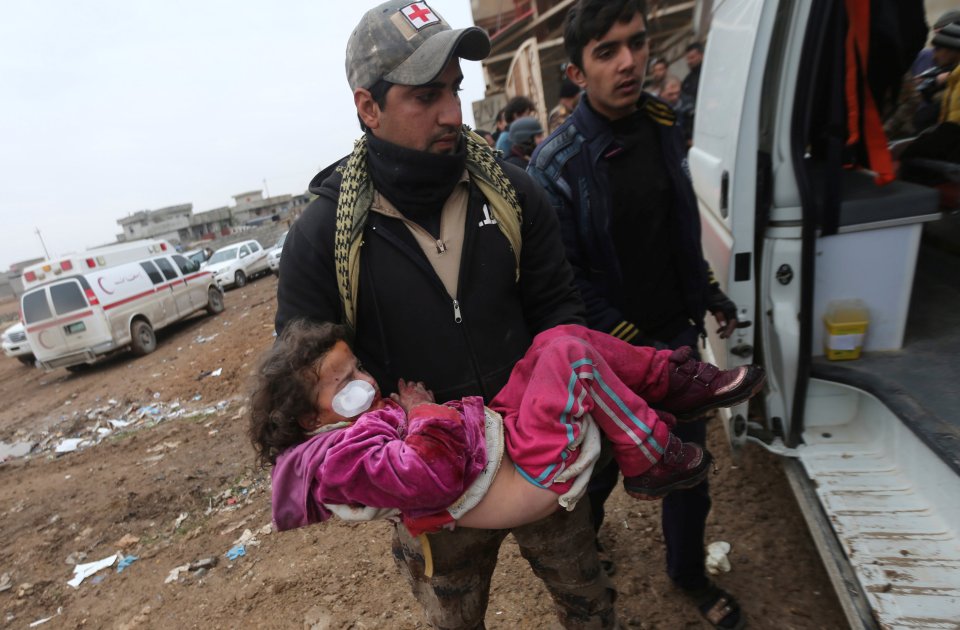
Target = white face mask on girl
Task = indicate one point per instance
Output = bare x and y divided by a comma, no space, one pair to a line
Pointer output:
355,398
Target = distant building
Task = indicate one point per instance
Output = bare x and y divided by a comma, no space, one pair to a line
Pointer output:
209,224
179,225
6,287
171,223
298,204
253,209
11,284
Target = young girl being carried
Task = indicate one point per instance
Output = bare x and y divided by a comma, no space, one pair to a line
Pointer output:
338,447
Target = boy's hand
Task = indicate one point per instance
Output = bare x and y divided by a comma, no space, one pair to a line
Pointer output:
723,309
410,394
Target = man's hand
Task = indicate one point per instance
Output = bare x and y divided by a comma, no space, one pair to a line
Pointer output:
410,394
724,311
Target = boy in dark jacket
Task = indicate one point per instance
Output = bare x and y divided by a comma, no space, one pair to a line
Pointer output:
616,174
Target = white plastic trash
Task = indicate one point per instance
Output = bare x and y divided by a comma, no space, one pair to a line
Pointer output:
68,445
717,561
83,571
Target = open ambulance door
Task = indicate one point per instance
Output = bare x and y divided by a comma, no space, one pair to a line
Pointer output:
788,231
730,167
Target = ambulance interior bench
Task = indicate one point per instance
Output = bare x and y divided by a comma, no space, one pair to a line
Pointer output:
942,175
873,256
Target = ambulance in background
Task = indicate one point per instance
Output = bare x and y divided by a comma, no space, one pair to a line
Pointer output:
84,306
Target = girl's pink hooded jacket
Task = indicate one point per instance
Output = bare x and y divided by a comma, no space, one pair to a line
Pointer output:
418,464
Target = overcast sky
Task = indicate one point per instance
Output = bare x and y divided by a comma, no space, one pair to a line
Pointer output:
111,106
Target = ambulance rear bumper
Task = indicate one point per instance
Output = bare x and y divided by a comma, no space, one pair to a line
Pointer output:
87,355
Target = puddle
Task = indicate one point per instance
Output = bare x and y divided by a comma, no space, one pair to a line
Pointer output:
17,449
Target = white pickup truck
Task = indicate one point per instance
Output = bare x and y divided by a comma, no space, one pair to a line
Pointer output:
871,445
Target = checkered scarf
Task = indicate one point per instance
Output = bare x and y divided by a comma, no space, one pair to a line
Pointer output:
356,195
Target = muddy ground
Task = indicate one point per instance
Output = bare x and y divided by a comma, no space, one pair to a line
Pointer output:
164,473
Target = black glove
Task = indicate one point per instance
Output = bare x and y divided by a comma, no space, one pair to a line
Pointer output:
723,309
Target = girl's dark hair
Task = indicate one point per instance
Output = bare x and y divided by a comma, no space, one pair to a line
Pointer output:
283,390
591,19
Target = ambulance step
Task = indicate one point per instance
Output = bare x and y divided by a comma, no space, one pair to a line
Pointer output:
893,505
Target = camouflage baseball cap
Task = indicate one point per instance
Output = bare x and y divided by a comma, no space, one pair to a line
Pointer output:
407,43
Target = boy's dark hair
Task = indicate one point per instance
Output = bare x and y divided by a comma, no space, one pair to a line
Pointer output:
697,46
285,384
591,19
516,106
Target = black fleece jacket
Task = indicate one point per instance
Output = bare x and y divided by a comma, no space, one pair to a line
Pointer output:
407,324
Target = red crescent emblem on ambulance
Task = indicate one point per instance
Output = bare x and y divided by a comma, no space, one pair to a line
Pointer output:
40,340
105,289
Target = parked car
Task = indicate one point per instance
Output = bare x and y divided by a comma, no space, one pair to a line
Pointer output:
234,264
273,256
199,256
16,345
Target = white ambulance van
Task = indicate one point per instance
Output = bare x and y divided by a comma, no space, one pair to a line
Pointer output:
81,307
849,294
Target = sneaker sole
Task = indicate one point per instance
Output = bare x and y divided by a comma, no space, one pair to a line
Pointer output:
650,494
733,398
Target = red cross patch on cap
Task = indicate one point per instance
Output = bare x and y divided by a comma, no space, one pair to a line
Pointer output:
419,15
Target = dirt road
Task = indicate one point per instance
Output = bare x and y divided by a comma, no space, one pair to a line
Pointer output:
163,472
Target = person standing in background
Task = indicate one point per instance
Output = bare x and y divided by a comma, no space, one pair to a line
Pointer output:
525,134
690,86
658,76
517,107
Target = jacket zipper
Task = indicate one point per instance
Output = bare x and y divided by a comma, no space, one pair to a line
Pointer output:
457,317
441,249
475,200
464,255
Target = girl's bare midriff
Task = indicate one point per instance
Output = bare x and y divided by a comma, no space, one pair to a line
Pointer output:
511,501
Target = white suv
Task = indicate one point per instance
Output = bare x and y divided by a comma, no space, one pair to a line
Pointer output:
234,264
15,344
273,256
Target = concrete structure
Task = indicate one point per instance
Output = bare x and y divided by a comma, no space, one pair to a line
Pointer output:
179,225
171,223
252,208
209,224
11,284
6,287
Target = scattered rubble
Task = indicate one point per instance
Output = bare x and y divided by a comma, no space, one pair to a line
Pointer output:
105,422
125,562
83,571
128,540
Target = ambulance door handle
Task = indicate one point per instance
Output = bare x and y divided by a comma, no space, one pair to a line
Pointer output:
724,194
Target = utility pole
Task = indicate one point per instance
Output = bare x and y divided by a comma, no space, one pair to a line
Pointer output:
44,245
265,189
